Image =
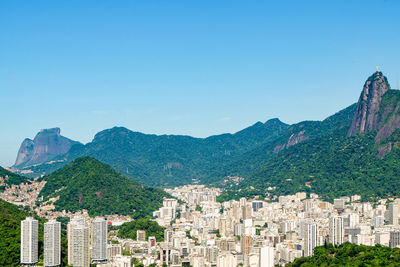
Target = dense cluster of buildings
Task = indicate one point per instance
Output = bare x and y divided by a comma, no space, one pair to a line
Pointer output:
201,232
23,194
260,233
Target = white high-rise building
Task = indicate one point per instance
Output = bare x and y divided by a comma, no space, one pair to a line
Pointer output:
52,243
393,214
267,257
80,246
99,240
226,260
29,241
168,236
336,230
310,238
75,222
78,243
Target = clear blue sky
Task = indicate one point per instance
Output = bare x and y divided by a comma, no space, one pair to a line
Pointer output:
185,67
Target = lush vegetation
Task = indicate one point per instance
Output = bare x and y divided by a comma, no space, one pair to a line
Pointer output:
295,134
129,229
350,255
86,183
10,233
11,178
169,160
331,164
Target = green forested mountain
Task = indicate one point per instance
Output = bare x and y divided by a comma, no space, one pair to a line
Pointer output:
11,178
362,157
166,160
86,183
350,255
353,151
305,131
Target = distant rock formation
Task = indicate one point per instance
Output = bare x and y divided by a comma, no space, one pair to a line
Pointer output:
24,152
47,144
366,116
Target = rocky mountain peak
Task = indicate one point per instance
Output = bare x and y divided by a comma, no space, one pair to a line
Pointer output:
47,144
366,116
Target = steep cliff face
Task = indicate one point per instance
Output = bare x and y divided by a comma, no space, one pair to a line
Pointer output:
25,151
366,117
47,144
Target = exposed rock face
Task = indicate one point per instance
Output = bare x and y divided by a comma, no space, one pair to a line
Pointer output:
25,151
294,139
366,116
47,144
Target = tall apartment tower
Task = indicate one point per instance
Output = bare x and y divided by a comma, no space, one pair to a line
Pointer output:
394,240
99,240
52,243
78,243
267,257
336,231
310,238
247,211
246,242
168,236
393,214
29,241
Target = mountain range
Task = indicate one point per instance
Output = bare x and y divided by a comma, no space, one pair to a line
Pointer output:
165,160
352,151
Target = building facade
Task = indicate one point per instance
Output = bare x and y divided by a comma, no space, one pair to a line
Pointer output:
99,240
336,230
310,238
29,241
52,243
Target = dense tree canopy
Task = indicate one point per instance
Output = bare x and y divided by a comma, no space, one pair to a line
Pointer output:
129,229
86,183
350,255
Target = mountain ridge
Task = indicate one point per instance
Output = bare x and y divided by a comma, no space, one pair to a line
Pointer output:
165,159
366,134
335,163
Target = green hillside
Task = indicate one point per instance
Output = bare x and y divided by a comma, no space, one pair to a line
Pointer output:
305,131
86,183
350,255
11,178
335,165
